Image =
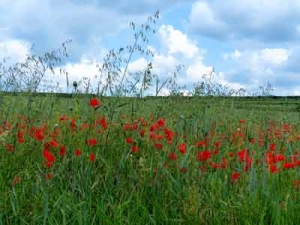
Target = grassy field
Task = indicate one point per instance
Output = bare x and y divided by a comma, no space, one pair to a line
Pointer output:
171,160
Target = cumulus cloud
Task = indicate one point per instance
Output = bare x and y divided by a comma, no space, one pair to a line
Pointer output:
256,67
48,23
15,50
264,20
177,42
176,49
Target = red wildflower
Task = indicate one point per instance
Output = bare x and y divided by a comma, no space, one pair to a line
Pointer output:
231,154
280,157
200,144
204,155
142,133
159,146
161,122
154,127
129,140
243,155
94,102
62,150
73,124
48,156
135,126
217,144
92,157
289,165
78,152
39,135
48,176
169,135
272,147
10,147
91,141
182,170
127,126
159,137
252,141
273,168
235,176
103,123
152,135
214,165
182,148
48,164
134,149
53,143
63,117
224,163
173,156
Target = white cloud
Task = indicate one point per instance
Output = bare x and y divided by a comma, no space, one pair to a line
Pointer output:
255,67
196,70
260,59
275,56
177,42
15,49
271,20
85,68
234,55
139,64
202,17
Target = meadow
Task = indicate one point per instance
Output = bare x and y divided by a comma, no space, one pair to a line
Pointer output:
81,159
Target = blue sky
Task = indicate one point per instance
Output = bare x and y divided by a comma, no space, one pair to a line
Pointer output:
248,42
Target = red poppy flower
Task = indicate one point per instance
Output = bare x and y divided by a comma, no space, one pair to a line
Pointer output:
48,164
94,102
127,126
135,126
231,154
9,147
217,144
39,135
91,142
134,149
48,176
161,122
182,170
63,117
142,133
92,157
272,147
159,146
129,140
53,143
62,150
280,157
78,152
204,155
273,168
182,148
48,156
173,156
235,176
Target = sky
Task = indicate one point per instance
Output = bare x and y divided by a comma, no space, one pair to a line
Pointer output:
248,43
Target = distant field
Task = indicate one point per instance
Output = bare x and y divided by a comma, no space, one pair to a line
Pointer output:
76,159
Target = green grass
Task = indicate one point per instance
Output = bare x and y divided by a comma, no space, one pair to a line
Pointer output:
121,187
